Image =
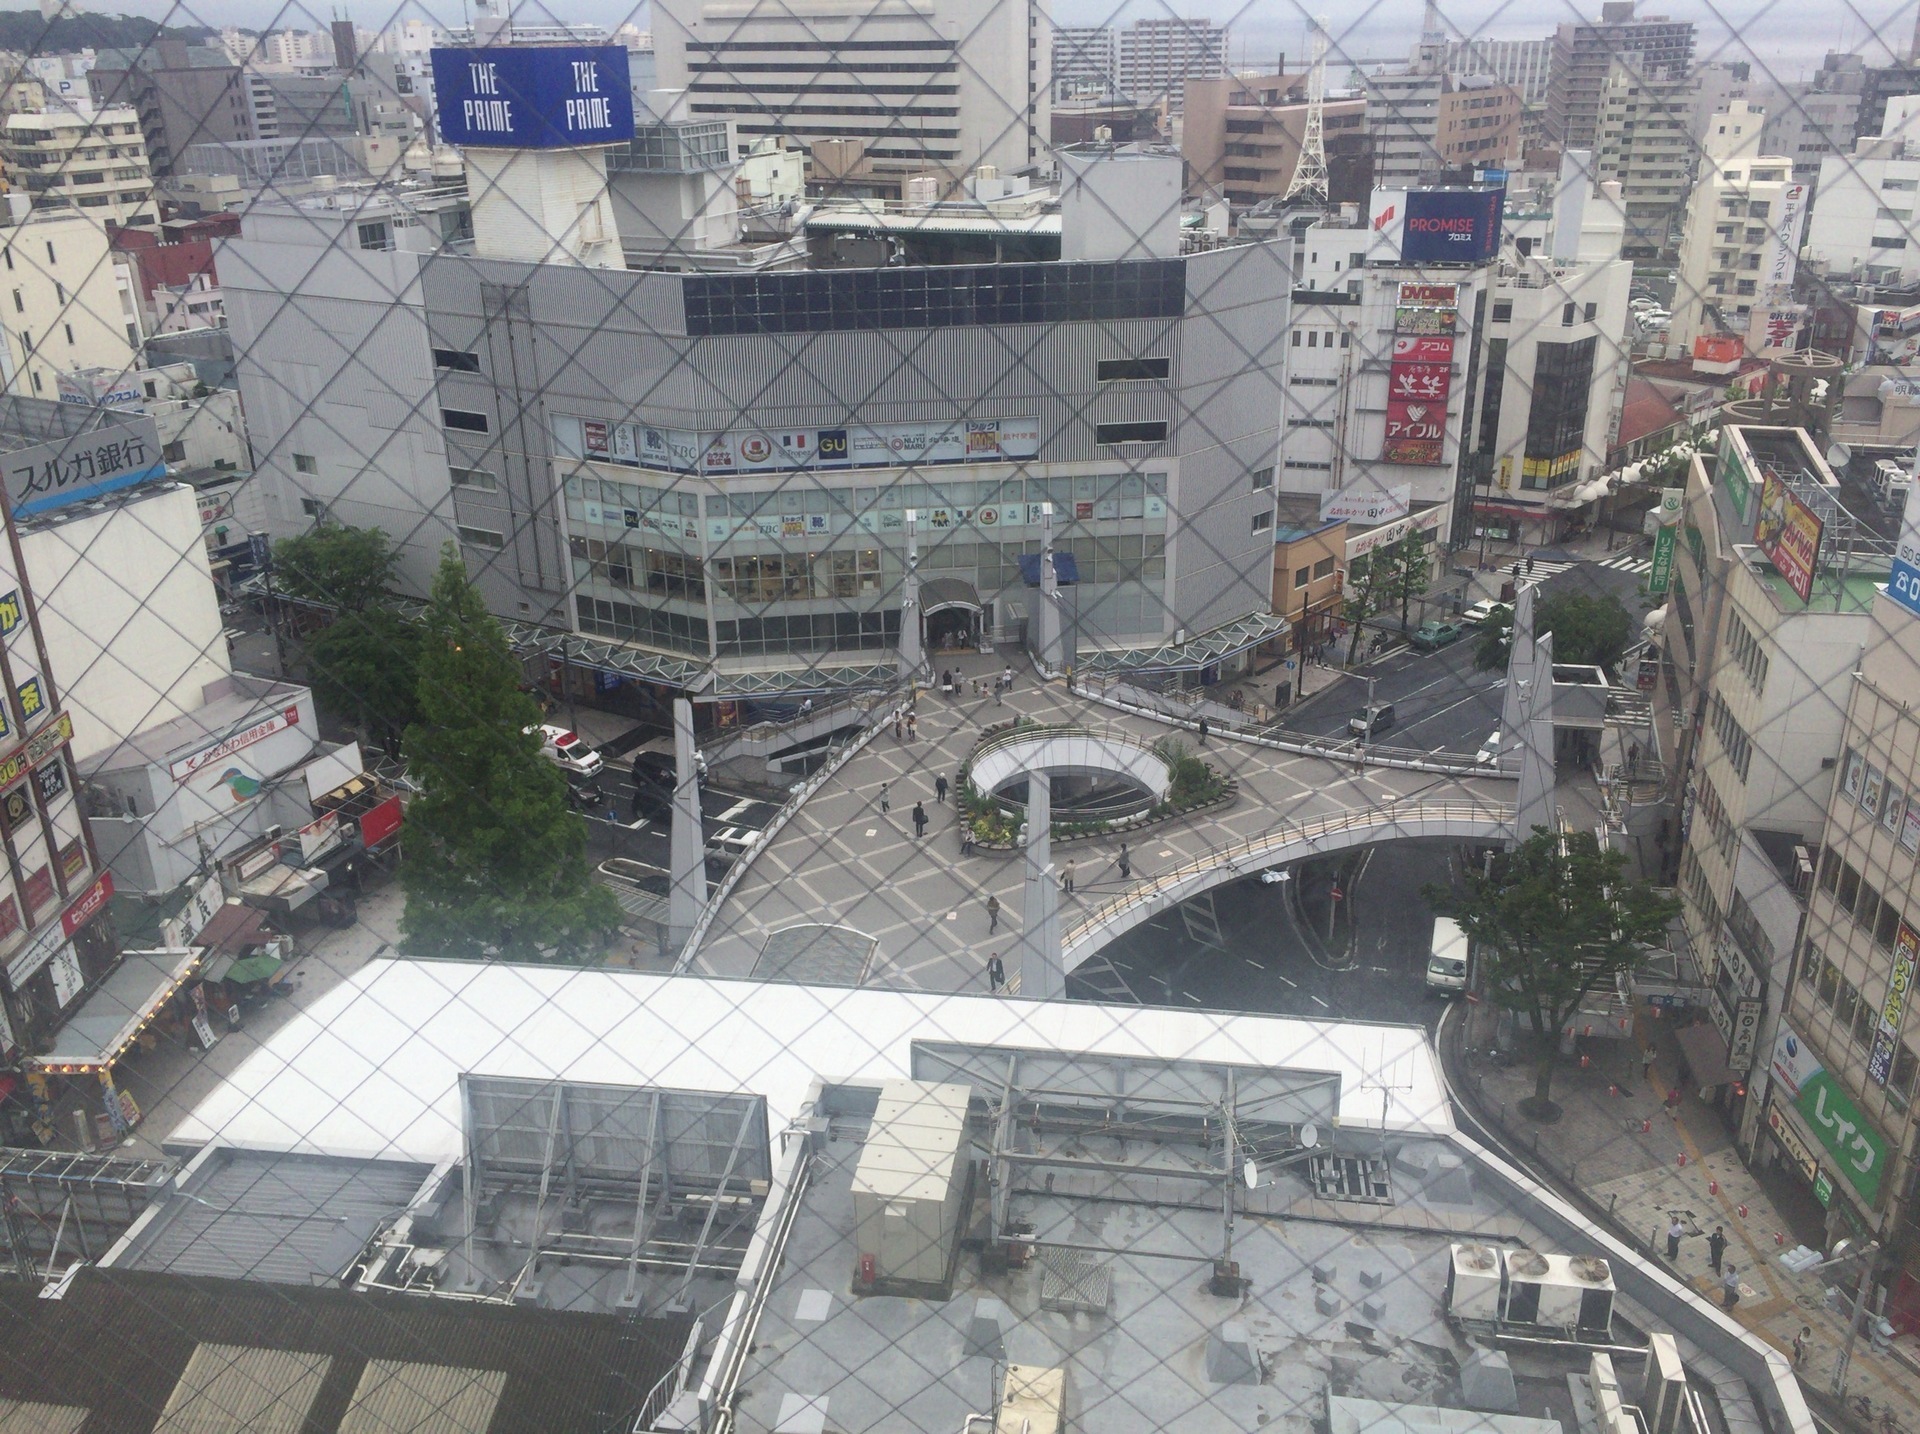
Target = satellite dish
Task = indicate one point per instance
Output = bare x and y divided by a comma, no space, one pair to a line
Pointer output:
1309,1136
1839,456
1251,1174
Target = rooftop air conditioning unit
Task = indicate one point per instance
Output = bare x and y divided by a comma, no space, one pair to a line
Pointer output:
1473,1283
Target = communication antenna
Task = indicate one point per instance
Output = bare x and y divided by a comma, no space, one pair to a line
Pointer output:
1310,173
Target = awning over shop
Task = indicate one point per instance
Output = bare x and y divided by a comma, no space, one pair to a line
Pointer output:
1196,653
1706,1052
939,594
234,927
105,1022
256,967
282,889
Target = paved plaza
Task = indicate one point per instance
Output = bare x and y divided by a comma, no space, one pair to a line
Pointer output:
916,910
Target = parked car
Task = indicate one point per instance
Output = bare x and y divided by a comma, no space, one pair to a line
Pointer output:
1480,612
1433,634
1370,722
568,751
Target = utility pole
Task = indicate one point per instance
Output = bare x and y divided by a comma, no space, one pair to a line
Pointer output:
1859,1317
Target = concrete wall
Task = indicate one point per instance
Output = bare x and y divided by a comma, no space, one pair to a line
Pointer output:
129,613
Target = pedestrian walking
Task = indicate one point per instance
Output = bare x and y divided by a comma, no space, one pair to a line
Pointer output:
1800,1343
1716,1247
886,802
913,727
1202,725
899,719
940,790
919,820
1646,1065
1529,567
1066,877
1673,1105
1007,676
993,914
1125,863
996,973
997,701
1674,1231
1730,1287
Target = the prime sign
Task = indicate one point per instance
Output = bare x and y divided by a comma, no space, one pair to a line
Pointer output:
533,97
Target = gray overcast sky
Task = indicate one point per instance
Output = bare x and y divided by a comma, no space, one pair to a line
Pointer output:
1787,37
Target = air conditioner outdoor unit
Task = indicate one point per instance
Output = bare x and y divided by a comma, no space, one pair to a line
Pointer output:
1473,1282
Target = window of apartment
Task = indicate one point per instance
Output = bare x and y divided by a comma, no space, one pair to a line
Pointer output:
1296,338
305,463
1262,478
1846,1003
1503,311
35,376
19,303
1865,1018
313,508
1829,988
478,479
469,422
50,258
1301,577
1124,370
1262,521
1757,208
482,537
1889,241
1747,652
60,293
457,360
1566,315
1746,286
1140,431
1313,338
1849,891
1323,569
1829,869
1590,312
1887,926
1733,737
69,329
376,236
1900,1083
175,452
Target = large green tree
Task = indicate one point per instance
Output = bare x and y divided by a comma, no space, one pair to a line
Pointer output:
335,566
495,861
1410,571
1586,628
1369,588
364,667
1554,921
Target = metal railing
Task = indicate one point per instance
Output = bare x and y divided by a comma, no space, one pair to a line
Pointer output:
1253,851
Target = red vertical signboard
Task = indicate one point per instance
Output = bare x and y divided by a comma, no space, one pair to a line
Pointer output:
1418,385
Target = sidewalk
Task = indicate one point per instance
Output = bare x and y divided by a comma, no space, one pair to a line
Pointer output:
1682,1165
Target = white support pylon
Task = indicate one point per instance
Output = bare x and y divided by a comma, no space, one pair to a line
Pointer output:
1533,806
913,656
1043,973
1520,664
687,854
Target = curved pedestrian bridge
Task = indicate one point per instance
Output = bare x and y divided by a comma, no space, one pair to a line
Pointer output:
909,912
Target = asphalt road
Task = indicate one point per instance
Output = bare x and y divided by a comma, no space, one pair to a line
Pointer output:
1441,703
1269,962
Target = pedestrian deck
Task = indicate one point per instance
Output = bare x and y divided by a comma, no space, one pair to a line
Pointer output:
842,862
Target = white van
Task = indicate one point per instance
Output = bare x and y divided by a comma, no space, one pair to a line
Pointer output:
1447,965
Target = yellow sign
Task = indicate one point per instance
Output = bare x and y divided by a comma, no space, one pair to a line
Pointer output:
1551,468
40,746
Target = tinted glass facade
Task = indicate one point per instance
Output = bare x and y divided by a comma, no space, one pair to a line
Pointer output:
933,297
1562,379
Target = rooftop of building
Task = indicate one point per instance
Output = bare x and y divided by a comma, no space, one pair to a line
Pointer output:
134,1351
225,704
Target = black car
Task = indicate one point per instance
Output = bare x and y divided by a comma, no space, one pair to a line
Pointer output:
653,782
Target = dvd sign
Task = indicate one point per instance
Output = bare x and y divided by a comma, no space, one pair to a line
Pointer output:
1452,226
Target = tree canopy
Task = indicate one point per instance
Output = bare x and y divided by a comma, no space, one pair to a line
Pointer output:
364,667
495,863
1586,628
336,566
1557,920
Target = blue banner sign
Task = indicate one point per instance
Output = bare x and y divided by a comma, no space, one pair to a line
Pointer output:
533,97
1903,583
1452,226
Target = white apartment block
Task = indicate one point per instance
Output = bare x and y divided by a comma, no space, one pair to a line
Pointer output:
1521,63
65,303
1085,62
1739,203
1862,226
91,162
1157,57
1647,148
936,89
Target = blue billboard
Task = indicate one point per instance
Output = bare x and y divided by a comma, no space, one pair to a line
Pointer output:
1452,226
533,97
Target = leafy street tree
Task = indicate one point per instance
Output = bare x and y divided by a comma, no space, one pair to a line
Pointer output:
364,667
1557,920
1369,588
495,861
338,567
1411,571
1585,628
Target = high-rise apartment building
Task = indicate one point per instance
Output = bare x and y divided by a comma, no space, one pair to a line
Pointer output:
1155,59
1085,62
941,91
1524,64
1743,225
1862,224
1584,54
184,94
1646,146
93,162
1426,125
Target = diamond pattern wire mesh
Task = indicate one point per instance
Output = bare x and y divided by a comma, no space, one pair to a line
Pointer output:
391,374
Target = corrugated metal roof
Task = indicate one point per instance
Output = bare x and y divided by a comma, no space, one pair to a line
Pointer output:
20,1417
423,1399
226,1388
259,1215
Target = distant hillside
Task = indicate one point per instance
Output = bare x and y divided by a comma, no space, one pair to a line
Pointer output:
25,33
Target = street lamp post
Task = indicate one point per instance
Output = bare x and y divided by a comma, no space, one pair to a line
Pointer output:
1859,1316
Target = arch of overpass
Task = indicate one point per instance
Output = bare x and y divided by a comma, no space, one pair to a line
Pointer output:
1286,844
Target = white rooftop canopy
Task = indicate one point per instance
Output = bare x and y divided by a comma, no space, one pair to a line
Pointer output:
372,1068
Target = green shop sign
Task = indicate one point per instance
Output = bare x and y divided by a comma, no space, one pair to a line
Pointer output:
1837,1123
